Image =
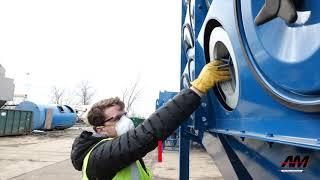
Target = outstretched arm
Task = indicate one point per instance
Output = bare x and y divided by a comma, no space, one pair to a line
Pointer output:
111,156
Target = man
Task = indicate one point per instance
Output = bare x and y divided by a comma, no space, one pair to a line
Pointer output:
115,151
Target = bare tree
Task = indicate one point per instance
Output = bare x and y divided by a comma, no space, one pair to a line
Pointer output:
130,95
85,93
57,95
69,100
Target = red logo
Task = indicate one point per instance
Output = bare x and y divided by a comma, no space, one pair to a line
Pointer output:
294,162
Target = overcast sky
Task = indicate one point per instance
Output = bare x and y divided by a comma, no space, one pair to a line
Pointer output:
109,43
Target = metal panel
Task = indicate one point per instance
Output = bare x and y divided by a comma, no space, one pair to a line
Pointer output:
257,114
291,49
15,122
164,97
278,85
264,160
215,149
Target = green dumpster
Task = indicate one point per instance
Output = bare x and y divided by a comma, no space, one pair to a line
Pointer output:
137,120
15,122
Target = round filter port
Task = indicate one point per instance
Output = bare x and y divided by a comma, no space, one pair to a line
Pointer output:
220,48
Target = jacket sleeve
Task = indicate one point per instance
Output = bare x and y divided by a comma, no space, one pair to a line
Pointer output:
111,156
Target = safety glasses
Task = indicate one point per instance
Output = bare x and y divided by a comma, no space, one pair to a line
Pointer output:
115,118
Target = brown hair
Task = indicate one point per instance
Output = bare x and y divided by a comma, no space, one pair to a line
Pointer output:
96,114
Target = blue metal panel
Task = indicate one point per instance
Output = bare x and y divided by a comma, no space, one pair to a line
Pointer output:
276,73
288,54
257,114
254,159
164,97
184,144
291,90
202,113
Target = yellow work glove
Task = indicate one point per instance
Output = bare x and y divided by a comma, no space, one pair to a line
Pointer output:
212,73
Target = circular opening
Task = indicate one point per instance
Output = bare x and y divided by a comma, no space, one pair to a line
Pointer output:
191,65
191,69
221,53
225,90
185,81
187,37
220,48
191,12
188,26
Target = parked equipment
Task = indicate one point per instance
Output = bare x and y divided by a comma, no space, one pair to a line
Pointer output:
15,122
50,116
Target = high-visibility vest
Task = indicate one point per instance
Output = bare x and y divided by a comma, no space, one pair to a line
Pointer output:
133,172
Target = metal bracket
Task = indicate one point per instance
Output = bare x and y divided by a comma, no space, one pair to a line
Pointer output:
272,9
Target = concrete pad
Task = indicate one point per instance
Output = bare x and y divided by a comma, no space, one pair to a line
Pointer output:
47,156
23,154
58,171
21,157
201,166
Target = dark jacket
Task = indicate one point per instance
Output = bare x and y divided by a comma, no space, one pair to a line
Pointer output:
111,156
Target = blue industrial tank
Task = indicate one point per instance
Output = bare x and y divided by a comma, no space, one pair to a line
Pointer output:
59,117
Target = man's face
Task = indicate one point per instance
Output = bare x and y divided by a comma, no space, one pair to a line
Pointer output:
112,116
